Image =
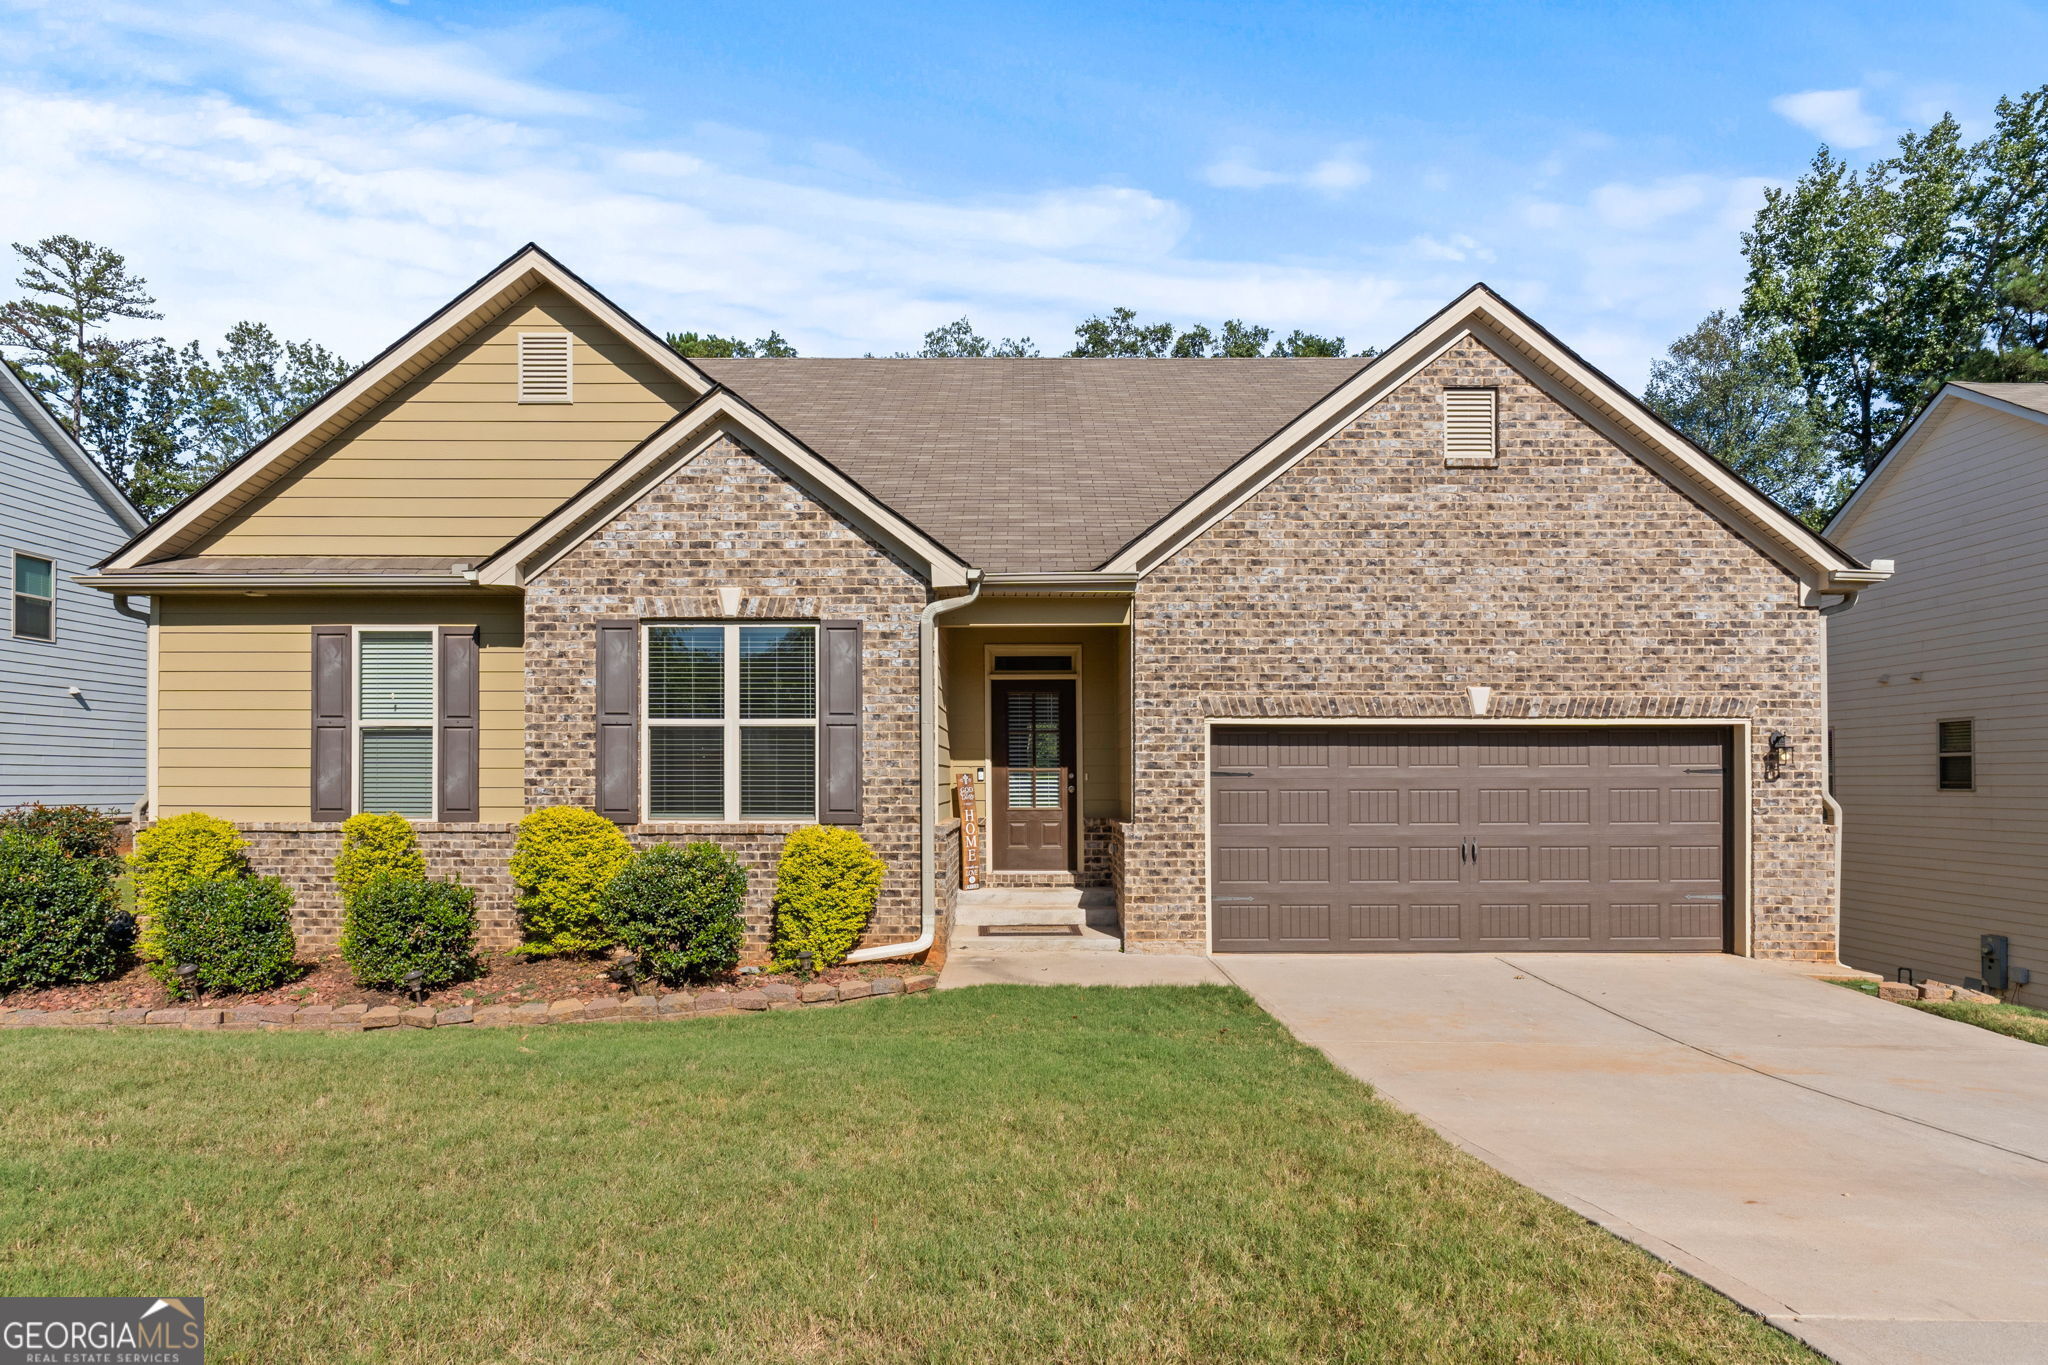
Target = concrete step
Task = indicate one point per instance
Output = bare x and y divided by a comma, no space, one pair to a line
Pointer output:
969,941
1096,906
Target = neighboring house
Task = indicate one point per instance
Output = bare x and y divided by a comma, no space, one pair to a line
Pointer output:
1454,648
1940,688
73,662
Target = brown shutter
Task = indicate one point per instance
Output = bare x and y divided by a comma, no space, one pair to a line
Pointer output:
618,721
333,676
839,710
457,724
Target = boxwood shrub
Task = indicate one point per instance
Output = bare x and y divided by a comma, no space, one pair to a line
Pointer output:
236,931
60,920
397,924
677,907
826,885
562,857
372,845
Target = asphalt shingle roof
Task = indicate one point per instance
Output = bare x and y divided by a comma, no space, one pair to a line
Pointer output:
2033,396
1032,465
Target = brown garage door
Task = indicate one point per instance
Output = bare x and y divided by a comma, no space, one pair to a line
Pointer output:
1453,840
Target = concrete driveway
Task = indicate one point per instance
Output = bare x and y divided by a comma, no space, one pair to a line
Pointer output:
1870,1178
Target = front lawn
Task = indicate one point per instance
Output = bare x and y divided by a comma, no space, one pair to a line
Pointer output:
2014,1021
997,1174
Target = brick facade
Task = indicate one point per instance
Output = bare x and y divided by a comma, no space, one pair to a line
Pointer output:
1369,580
725,520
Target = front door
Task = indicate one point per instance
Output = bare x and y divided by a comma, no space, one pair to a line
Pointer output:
1033,818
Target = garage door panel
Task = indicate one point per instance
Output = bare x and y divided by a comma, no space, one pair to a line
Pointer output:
1436,840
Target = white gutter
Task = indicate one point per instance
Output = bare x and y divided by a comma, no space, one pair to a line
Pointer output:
142,584
928,766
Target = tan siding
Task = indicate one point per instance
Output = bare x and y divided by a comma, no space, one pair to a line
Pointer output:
454,464
1928,871
234,698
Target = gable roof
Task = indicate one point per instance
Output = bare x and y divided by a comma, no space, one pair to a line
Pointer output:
1044,465
44,423
1565,376
2026,401
264,464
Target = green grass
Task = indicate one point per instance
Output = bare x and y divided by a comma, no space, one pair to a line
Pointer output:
1000,1174
2014,1021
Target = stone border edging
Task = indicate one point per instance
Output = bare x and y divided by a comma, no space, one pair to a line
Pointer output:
666,1005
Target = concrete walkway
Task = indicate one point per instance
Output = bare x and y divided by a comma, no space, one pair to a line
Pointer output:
1872,1179
1057,967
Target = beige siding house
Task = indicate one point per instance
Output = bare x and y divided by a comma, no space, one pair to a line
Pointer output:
1940,695
1455,648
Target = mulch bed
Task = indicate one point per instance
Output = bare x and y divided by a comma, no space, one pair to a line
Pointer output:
507,980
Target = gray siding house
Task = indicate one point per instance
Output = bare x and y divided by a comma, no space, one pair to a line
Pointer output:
1939,711
73,662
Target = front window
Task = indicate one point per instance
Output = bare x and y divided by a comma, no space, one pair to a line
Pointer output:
35,598
395,722
732,722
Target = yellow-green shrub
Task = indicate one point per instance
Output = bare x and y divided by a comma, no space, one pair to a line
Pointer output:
372,845
826,885
177,853
562,859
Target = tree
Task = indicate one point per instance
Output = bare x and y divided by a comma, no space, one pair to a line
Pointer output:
1120,334
1735,392
1300,343
959,340
2008,246
710,346
255,386
74,289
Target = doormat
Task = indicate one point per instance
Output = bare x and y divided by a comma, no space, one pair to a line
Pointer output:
1031,931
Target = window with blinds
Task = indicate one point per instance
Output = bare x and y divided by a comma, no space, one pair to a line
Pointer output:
1955,744
545,368
732,722
395,722
1470,428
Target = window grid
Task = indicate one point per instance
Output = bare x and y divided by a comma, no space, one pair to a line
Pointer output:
35,598
396,736
739,697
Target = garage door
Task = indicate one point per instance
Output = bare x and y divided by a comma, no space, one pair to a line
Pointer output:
1452,840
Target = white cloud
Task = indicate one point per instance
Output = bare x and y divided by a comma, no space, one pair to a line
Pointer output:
1836,116
1338,173
1456,247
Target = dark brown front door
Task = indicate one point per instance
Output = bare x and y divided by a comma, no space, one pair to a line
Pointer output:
1034,787
1448,839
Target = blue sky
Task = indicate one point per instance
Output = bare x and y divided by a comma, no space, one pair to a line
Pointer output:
854,175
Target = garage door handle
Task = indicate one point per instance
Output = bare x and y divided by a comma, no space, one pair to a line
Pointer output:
1704,770
1234,900
1704,898
1221,773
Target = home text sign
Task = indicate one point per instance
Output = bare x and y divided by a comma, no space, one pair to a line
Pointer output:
970,836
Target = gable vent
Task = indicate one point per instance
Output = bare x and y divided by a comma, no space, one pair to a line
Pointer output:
544,367
1470,439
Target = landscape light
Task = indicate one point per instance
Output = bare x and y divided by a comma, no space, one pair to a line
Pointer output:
188,980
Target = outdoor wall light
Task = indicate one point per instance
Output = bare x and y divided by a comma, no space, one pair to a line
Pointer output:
188,980
1774,755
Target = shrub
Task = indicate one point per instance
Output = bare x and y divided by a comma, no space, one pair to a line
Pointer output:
60,920
562,858
236,931
678,908
178,852
397,924
80,831
372,845
826,885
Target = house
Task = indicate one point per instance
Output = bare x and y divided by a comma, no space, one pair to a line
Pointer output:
73,662
1940,715
1457,648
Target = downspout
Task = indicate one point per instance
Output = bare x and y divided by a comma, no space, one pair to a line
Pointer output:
1827,740
928,775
